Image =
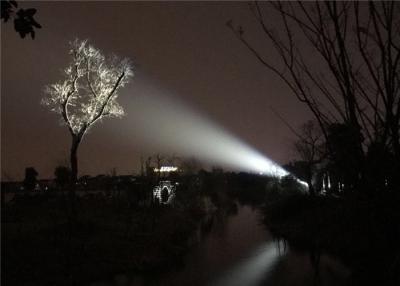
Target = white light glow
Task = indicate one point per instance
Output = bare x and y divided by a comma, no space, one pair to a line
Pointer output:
158,122
304,184
166,169
89,89
255,268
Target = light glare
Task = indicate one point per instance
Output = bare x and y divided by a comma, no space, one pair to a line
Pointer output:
166,169
161,123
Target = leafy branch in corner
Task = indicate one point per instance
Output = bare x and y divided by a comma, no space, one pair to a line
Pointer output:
24,23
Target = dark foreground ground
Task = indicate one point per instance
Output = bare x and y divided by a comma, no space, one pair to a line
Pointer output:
42,246
55,240
62,239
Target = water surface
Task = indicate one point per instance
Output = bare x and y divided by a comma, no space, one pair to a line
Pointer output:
239,251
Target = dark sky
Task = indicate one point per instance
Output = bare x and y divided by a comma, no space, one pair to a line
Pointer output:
182,48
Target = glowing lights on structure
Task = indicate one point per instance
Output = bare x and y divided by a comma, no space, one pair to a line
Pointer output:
166,169
164,192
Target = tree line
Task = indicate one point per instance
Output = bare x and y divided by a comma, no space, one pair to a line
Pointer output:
340,59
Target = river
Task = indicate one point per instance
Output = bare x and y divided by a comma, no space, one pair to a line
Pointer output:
239,251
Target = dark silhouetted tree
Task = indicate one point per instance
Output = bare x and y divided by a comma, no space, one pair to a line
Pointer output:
24,23
343,160
30,180
62,176
342,60
382,169
310,151
88,93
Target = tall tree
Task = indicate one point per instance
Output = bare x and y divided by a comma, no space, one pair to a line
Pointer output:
88,92
62,176
309,148
341,59
30,180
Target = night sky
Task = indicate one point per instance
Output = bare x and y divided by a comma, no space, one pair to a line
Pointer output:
180,50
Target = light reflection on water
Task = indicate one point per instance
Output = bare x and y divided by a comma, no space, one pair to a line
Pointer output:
255,268
232,240
239,251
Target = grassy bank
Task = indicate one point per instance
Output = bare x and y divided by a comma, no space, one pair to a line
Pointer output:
48,239
45,242
364,232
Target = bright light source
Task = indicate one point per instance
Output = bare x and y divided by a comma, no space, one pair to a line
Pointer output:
166,169
302,183
163,124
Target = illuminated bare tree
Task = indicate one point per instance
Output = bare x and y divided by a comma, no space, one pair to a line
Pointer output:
88,92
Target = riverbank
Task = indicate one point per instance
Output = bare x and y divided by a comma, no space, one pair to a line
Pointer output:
44,244
364,232
52,238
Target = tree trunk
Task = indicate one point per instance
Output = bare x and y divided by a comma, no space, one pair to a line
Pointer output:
395,139
72,211
74,158
311,189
